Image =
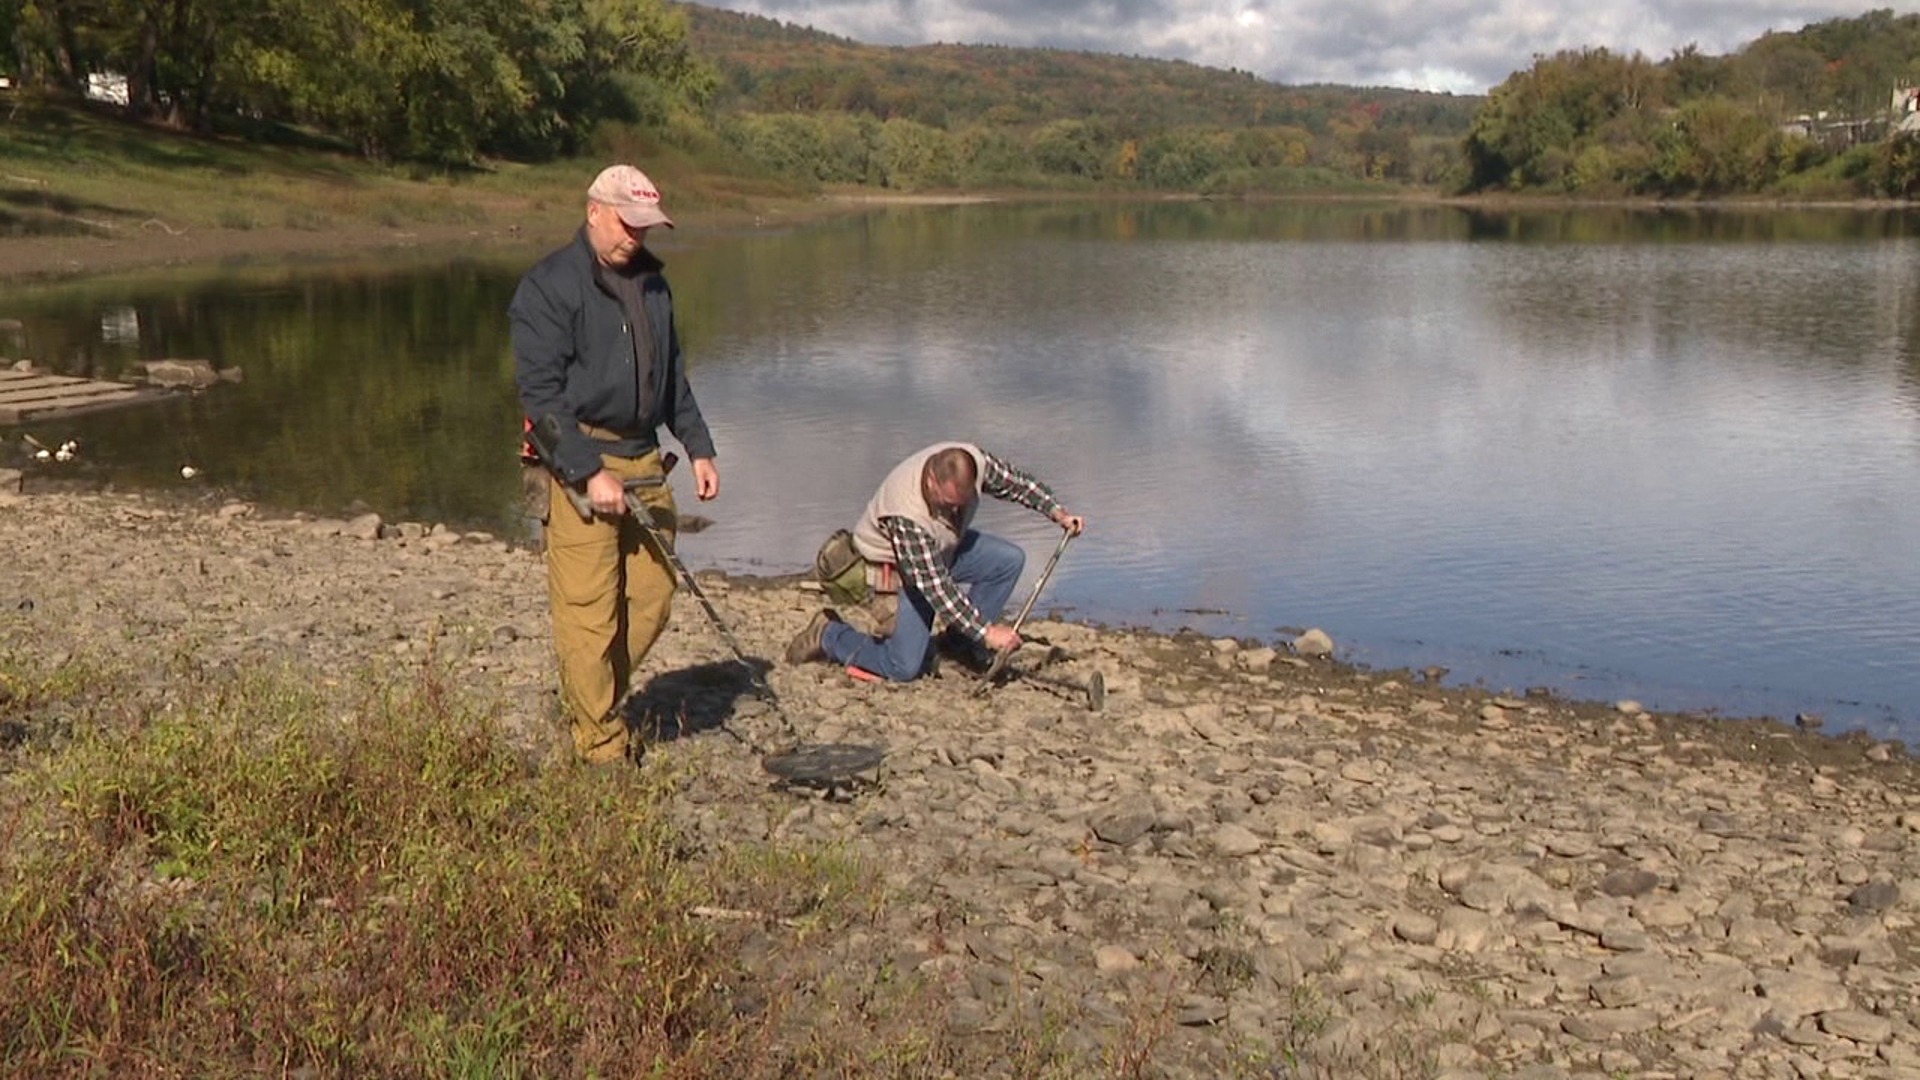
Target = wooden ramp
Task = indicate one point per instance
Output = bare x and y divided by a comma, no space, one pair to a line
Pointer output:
33,396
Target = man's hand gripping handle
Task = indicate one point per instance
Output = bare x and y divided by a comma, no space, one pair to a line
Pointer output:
544,436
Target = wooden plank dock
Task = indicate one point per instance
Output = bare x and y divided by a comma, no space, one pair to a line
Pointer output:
28,395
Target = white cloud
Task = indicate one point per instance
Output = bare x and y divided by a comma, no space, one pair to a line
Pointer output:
1464,46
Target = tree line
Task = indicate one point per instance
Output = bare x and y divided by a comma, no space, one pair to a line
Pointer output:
1808,113
445,82
835,110
432,80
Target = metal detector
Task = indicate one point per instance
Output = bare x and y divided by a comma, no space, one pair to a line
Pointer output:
824,765
831,765
1001,658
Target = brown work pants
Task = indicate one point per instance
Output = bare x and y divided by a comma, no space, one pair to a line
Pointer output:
611,595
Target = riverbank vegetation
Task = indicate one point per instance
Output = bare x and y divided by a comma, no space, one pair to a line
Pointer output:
1824,112
815,105
285,114
242,870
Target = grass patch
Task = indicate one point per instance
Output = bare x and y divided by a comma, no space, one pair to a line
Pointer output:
69,168
250,870
243,873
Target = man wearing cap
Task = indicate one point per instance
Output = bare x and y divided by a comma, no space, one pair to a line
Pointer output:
594,344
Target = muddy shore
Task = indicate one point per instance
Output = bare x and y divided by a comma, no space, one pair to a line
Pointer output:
1380,876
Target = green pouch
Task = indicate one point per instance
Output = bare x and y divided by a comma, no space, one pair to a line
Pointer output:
842,570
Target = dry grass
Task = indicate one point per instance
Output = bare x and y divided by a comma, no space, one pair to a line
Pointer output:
236,872
243,875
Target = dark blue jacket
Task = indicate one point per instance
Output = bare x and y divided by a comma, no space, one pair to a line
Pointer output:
573,350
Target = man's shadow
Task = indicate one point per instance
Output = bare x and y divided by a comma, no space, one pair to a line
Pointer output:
676,704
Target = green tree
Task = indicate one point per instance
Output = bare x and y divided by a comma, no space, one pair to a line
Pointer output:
1717,146
986,156
1535,125
1072,148
1783,75
912,155
1895,168
1695,74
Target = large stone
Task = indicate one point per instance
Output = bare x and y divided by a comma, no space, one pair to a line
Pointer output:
1861,1027
1791,996
1122,827
364,527
1629,883
1603,1024
1235,841
1314,642
1619,991
1416,929
1201,1012
1870,899
1257,659
172,373
1464,930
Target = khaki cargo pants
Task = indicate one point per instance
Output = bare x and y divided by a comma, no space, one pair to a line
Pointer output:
611,595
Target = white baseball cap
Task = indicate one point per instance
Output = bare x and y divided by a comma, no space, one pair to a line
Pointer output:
631,195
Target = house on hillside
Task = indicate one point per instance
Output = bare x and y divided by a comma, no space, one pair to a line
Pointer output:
1906,109
1840,132
108,87
1837,133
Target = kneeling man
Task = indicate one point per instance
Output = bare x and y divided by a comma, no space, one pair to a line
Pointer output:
916,537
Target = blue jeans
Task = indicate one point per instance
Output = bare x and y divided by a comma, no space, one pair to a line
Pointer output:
987,564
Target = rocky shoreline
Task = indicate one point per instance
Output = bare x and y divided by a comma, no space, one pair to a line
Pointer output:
1331,871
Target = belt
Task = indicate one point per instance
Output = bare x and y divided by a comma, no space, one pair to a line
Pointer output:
600,434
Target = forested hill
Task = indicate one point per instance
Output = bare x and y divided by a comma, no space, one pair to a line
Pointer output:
1827,111
769,66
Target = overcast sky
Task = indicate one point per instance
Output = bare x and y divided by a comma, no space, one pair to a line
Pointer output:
1464,46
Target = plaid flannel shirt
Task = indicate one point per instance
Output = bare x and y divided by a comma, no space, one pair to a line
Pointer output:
915,550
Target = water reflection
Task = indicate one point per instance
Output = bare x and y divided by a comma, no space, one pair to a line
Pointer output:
1662,455
391,388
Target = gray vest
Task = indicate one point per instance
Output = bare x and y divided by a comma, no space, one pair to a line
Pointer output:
900,495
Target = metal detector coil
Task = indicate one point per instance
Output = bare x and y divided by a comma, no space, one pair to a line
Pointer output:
823,765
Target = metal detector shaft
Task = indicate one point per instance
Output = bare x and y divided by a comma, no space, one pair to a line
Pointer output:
643,517
1094,689
1001,658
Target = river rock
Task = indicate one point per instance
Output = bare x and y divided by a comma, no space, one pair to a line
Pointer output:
1314,642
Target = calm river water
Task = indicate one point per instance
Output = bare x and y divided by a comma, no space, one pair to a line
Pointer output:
1674,457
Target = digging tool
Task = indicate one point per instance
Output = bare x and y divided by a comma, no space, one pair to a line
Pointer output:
1094,689
827,765
1001,658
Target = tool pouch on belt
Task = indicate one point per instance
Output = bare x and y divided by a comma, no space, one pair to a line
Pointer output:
842,570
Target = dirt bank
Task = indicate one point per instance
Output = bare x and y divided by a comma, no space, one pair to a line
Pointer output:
1277,855
60,256
155,244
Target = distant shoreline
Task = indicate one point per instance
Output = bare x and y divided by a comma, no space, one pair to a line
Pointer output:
155,245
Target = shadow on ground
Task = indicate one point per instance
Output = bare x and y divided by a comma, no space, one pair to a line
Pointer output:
692,700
